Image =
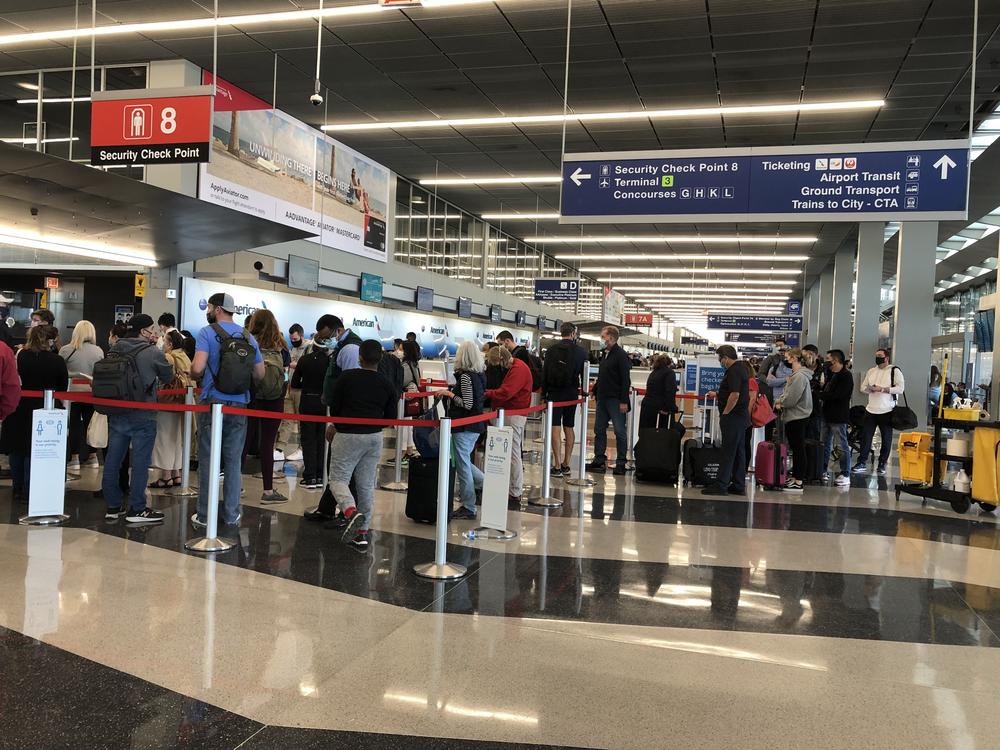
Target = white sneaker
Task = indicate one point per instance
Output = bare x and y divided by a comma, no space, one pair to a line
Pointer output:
843,480
93,463
825,477
793,485
73,465
278,456
295,455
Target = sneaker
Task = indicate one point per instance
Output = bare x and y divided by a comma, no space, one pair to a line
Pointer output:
310,484
825,477
566,471
556,471
359,541
859,469
314,515
113,514
270,498
793,485
619,470
295,455
843,480
93,463
463,514
597,466
236,522
354,521
73,466
145,516
197,522
880,470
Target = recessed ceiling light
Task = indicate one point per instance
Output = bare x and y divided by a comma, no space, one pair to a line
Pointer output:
649,114
684,256
522,180
708,239
522,217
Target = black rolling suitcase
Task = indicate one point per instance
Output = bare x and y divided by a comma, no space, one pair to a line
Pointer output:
422,489
702,456
657,453
814,461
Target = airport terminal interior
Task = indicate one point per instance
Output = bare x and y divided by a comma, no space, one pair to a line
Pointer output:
499,374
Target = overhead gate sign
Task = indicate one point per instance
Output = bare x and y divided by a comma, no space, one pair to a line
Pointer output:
151,126
917,180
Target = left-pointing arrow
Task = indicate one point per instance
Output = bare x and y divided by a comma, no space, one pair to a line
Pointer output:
579,175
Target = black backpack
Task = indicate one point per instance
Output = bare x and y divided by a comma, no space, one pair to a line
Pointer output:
559,370
117,377
390,368
236,362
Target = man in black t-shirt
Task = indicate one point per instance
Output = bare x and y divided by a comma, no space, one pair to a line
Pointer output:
733,401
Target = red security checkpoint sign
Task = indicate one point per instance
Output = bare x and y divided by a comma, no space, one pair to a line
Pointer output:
639,319
151,126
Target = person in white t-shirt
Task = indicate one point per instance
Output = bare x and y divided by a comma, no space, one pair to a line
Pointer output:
883,383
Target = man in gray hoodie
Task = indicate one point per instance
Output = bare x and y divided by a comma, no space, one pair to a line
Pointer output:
135,427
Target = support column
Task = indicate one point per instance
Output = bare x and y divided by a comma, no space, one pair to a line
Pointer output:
809,314
867,298
843,296
824,327
913,317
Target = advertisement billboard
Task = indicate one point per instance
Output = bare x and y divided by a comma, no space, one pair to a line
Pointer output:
268,164
614,306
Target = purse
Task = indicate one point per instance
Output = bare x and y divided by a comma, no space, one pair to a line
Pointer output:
413,407
903,417
97,431
761,414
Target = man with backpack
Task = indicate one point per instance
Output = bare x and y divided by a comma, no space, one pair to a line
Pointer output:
227,359
132,371
562,380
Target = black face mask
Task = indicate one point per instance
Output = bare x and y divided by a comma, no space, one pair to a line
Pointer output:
296,343
880,360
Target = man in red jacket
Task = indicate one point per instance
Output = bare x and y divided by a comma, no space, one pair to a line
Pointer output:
10,382
514,393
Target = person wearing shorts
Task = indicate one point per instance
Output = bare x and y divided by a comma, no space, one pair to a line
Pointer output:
565,355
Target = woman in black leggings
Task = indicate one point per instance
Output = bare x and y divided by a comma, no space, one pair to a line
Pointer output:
795,405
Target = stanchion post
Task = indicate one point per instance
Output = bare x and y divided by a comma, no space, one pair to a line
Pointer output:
630,426
501,415
48,400
185,489
397,484
211,541
545,499
583,480
441,569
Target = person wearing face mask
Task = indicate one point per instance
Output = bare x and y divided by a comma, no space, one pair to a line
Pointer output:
733,402
773,359
611,391
289,432
135,428
795,406
883,383
835,397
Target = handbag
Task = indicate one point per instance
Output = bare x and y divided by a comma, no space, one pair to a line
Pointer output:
97,431
903,417
413,407
761,414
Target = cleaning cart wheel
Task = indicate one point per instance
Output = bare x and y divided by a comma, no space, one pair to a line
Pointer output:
960,506
987,507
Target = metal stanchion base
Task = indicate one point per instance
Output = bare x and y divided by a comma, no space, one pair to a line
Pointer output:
580,482
184,492
204,544
394,486
481,532
545,502
54,520
446,572
70,477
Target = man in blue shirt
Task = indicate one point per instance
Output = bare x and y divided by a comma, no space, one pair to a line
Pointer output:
234,427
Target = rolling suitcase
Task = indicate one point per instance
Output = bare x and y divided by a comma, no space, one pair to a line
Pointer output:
422,489
770,466
814,461
701,456
658,453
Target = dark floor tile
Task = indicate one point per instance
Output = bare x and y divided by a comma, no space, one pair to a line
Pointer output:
283,738
54,699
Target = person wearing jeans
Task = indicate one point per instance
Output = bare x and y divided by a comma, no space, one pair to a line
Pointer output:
614,380
733,402
467,401
514,393
835,394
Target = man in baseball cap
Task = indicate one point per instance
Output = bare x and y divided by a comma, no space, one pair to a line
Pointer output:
222,301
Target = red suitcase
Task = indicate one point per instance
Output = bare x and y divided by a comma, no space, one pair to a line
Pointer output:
771,462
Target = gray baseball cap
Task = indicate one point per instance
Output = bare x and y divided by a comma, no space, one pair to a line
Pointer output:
223,300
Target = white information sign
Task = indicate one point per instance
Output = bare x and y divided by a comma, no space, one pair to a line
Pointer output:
46,492
496,482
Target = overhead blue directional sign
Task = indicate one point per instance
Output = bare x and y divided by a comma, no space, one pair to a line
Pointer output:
756,322
557,290
916,180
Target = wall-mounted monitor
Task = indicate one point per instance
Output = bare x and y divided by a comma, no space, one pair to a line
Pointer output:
425,299
465,307
371,288
496,313
303,273
519,318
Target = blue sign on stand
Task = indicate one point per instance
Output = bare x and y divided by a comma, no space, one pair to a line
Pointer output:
710,379
917,180
756,322
557,290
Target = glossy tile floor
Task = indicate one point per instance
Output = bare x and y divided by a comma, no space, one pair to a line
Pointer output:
632,616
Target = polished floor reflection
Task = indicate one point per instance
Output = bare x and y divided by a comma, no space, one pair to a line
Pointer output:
857,620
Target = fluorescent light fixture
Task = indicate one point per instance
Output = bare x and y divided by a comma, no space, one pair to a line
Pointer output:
32,141
522,180
129,256
521,217
684,285
646,114
700,298
29,86
707,239
55,100
430,216
764,258
451,239
698,271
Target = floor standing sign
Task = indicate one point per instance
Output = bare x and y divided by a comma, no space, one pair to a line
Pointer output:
47,487
496,482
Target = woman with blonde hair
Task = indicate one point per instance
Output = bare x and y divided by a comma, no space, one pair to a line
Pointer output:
268,395
81,354
168,450
467,401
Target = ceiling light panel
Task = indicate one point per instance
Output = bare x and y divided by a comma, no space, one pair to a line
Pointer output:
128,256
508,180
708,239
698,271
749,258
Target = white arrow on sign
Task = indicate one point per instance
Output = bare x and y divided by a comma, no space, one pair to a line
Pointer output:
944,164
579,175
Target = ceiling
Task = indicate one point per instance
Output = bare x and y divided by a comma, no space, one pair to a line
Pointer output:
507,57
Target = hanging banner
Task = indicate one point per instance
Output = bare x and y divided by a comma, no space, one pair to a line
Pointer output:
268,164
614,306
150,126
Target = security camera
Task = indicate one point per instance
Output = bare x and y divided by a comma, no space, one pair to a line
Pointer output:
316,99
34,211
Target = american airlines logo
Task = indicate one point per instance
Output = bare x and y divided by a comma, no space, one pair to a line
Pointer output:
437,330
363,323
